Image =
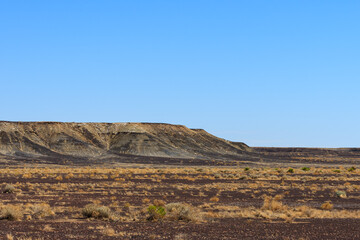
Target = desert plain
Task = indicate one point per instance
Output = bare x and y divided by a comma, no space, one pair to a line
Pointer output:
146,181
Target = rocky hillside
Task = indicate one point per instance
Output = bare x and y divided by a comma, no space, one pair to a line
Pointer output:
105,140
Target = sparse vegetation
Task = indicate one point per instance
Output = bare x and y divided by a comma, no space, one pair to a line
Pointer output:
182,212
214,199
191,195
11,212
41,210
9,188
341,194
155,212
181,236
96,211
305,169
352,169
327,205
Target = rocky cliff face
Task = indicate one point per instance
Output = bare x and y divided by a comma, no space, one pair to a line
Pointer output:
97,143
101,140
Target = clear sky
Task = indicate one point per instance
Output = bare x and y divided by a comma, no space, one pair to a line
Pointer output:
268,73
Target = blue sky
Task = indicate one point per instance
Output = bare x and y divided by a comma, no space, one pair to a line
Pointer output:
268,73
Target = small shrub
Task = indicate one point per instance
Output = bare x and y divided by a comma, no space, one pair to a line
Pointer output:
336,170
351,169
155,212
246,169
159,203
89,210
96,211
217,175
214,199
327,205
9,188
341,194
181,212
273,203
11,213
290,170
108,231
127,205
70,175
41,210
48,228
9,236
59,178
181,236
305,169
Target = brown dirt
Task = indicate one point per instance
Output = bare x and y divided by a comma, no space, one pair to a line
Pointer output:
68,190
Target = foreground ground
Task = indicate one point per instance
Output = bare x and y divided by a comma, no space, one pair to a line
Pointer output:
320,202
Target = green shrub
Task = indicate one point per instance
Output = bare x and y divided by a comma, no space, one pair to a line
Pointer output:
341,194
290,170
155,212
336,170
351,169
246,169
305,169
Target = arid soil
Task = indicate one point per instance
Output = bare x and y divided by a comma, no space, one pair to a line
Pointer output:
222,202
162,181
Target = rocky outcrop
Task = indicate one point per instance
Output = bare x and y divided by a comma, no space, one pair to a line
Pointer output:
101,140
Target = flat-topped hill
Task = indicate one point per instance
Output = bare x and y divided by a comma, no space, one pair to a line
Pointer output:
94,140
154,143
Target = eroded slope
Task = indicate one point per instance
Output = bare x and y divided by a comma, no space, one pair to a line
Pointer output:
94,140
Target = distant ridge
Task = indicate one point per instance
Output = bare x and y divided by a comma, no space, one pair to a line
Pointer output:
69,143
107,140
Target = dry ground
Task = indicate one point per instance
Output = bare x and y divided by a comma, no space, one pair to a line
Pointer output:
215,203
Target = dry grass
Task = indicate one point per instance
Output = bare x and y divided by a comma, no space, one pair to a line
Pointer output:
274,209
181,236
96,211
108,231
9,188
182,212
327,205
41,210
48,228
9,236
214,199
11,212
186,194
